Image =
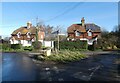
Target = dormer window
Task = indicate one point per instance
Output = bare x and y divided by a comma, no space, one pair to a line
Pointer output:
77,33
18,34
28,35
89,33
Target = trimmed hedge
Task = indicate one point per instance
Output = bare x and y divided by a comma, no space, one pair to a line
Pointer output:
30,48
71,45
16,46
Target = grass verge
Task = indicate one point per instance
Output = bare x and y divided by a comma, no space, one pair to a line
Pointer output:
65,56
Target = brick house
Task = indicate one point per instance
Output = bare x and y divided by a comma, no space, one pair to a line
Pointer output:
84,31
26,35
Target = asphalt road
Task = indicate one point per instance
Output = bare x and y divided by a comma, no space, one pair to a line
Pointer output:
104,66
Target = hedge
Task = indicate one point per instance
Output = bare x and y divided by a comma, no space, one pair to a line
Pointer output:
30,48
5,46
16,46
71,45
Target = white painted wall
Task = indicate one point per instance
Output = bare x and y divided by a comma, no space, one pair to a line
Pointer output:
13,42
23,42
48,44
90,42
83,39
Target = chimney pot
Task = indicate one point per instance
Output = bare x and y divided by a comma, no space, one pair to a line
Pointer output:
29,24
83,21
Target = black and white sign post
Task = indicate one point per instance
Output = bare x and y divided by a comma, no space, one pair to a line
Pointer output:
58,41
57,32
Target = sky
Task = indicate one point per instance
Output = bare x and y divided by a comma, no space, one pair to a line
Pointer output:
17,14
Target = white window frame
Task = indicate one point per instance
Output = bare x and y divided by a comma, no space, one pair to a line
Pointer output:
19,41
41,36
18,34
28,35
77,33
29,42
89,33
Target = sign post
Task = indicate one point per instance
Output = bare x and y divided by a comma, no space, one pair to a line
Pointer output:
58,42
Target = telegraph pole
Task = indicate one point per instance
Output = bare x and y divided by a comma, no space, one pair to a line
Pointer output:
37,29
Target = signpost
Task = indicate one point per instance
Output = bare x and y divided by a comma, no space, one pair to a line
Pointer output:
59,40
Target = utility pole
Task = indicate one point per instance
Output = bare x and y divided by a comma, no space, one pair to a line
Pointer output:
37,29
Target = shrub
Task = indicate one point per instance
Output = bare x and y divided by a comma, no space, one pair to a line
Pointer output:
30,48
71,45
37,44
5,46
16,46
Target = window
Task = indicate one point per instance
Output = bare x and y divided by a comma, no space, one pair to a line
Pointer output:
29,42
18,34
77,33
41,36
28,35
89,33
19,42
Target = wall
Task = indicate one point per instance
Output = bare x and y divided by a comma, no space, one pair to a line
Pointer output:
48,44
23,42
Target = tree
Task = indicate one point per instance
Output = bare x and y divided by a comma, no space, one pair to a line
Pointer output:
117,34
37,45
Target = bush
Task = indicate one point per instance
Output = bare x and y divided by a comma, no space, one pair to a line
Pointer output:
16,46
30,48
37,44
71,45
5,46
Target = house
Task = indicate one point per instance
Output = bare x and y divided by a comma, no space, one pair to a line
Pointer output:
26,35
84,31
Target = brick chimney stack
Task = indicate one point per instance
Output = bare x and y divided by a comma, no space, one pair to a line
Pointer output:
29,24
83,22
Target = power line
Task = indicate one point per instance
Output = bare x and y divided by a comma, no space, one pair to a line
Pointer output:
68,10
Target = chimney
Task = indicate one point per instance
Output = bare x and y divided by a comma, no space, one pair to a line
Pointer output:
29,24
83,22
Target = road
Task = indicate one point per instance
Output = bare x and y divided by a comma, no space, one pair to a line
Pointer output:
99,67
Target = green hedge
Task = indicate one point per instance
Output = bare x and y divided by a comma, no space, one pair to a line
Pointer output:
5,46
71,45
30,48
16,46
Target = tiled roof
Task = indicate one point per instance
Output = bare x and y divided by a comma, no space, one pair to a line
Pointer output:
24,30
93,27
77,27
80,28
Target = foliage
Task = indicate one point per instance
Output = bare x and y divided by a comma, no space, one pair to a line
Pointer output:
66,56
16,46
71,45
30,48
36,34
109,40
37,45
5,46
117,34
